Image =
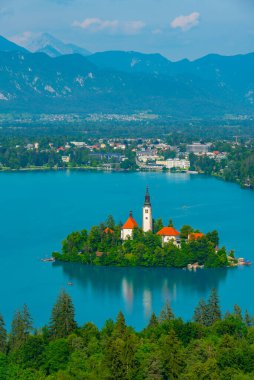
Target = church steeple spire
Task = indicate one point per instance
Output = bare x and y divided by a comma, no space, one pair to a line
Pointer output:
147,198
147,213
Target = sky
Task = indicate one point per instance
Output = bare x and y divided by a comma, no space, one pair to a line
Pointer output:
175,28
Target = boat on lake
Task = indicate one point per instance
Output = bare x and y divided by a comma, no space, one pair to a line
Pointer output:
48,260
242,261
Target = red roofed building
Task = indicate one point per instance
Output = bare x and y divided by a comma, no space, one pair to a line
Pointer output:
61,149
128,227
108,231
169,234
195,236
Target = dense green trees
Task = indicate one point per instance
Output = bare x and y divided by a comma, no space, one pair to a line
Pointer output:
21,327
62,322
213,347
102,245
237,166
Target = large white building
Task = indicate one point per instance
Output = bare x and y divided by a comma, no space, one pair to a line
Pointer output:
198,148
177,163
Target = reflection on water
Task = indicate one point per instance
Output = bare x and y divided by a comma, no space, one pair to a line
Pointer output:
149,288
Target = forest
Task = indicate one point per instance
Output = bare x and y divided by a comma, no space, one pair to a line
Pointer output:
237,167
102,245
211,346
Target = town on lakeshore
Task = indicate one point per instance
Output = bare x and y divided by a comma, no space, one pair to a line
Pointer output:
174,153
152,245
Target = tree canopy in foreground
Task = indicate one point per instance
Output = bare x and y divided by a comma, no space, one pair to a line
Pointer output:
211,346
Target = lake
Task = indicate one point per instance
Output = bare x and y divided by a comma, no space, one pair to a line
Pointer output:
39,209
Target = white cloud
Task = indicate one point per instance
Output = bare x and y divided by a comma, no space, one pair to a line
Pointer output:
186,22
113,26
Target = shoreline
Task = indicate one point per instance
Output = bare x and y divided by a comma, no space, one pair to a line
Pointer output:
113,170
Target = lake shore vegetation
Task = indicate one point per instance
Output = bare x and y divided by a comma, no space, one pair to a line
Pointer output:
102,245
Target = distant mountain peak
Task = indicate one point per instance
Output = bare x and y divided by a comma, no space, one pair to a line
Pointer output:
52,46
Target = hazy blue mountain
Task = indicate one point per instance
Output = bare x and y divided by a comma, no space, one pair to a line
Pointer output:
8,46
54,47
211,86
132,62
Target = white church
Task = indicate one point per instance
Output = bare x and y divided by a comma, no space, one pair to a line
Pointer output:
167,233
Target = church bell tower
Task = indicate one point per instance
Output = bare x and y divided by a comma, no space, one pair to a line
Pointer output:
147,213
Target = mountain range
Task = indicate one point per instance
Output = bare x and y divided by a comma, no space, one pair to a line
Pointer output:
54,47
124,82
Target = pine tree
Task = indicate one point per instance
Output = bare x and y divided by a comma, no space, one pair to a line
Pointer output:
62,321
170,223
166,313
213,308
129,359
200,313
153,321
157,225
110,223
120,327
227,315
172,356
238,312
21,327
248,320
3,335
113,358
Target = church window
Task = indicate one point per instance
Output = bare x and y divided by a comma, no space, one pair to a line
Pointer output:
146,211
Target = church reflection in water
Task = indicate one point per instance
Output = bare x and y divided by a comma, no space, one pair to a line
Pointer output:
148,288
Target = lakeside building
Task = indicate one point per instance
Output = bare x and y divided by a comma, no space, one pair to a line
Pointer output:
198,148
170,234
175,163
128,227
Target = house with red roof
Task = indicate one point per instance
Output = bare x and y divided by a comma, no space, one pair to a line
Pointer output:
195,236
128,227
108,231
169,234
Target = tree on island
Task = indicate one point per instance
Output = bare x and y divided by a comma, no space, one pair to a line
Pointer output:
185,231
157,225
110,222
170,223
62,321
213,237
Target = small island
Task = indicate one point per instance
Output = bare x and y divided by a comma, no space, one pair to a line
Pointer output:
153,245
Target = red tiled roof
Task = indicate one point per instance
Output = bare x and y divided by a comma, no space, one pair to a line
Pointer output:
108,231
130,224
99,254
195,236
168,231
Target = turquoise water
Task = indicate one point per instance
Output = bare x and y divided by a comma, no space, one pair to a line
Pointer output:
39,209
